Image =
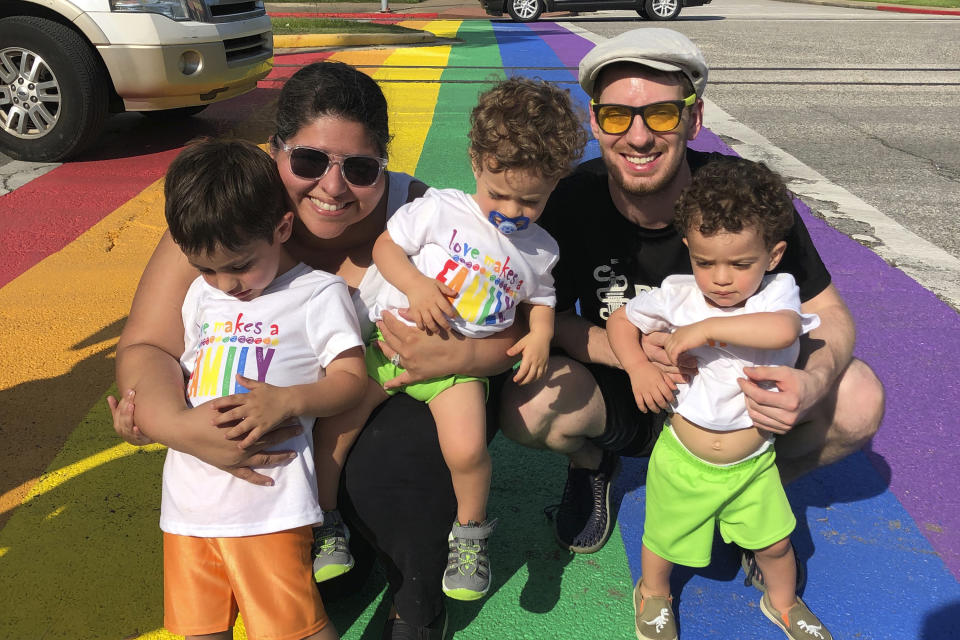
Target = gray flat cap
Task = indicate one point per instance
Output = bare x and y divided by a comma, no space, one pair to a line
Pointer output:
662,49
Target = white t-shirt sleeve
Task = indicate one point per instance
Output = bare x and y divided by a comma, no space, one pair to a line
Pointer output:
332,321
410,227
781,293
190,313
648,310
544,293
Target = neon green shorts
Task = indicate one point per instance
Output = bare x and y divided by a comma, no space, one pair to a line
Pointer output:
381,369
686,496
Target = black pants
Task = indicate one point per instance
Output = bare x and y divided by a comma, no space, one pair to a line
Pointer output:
396,493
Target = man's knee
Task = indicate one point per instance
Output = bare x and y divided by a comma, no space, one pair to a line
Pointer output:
565,403
860,404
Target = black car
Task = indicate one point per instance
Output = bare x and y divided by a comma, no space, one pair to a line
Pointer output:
529,10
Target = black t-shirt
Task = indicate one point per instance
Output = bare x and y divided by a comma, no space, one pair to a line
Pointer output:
605,259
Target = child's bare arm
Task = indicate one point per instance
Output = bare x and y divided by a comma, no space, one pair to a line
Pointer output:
265,405
652,389
535,346
763,330
429,298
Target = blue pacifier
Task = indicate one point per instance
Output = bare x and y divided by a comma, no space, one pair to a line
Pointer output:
506,225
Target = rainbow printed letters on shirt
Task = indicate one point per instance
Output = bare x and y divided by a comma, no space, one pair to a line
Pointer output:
225,349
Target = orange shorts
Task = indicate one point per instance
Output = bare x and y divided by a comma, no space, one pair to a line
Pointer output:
268,578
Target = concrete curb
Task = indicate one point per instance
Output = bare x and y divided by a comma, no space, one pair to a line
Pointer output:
309,41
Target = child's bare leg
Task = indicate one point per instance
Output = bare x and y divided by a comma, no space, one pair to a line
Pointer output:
655,572
460,414
779,569
333,437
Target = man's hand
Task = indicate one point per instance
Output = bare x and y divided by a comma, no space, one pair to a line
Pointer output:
430,304
653,389
682,371
778,412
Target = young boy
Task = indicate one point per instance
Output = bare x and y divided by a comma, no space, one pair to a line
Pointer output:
465,262
710,464
255,321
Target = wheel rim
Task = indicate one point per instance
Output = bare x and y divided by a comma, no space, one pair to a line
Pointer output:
525,9
29,94
664,8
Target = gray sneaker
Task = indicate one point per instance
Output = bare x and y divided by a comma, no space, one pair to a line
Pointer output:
798,624
331,553
467,576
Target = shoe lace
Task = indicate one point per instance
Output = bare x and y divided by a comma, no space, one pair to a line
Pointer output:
467,554
329,539
753,571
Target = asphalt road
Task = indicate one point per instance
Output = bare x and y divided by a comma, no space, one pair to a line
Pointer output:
869,99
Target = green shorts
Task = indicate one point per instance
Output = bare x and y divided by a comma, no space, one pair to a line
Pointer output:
381,369
686,496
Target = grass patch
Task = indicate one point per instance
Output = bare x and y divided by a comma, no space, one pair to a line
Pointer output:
937,4
290,26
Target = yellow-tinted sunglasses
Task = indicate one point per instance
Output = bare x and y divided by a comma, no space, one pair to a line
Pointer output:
659,117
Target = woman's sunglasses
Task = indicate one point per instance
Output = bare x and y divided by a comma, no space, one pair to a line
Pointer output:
312,164
660,117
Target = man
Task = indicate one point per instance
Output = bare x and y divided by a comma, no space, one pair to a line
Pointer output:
613,221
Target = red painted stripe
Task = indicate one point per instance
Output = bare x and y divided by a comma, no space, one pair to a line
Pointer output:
348,16
906,9
48,213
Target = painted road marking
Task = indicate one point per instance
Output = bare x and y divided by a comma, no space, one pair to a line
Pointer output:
82,556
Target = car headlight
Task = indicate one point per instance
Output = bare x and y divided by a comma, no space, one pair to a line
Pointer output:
173,9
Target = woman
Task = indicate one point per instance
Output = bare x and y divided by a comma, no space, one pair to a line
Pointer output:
396,488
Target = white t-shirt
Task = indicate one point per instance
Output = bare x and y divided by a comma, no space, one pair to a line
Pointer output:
448,238
713,399
286,336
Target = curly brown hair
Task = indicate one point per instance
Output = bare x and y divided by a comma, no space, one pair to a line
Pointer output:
732,194
526,124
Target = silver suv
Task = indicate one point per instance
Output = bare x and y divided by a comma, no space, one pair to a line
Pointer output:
66,64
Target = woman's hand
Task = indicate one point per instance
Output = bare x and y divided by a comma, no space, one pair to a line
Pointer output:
423,355
122,412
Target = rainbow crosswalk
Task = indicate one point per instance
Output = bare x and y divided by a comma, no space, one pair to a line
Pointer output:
80,548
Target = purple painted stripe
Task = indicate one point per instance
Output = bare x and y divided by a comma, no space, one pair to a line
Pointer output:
567,46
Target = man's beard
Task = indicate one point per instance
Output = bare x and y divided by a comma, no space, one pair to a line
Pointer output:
646,186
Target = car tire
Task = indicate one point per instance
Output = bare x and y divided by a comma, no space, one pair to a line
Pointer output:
662,9
65,91
642,13
174,114
524,10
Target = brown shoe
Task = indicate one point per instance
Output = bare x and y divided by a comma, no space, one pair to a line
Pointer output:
654,616
799,623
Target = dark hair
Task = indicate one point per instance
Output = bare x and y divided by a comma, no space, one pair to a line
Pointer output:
222,193
732,194
333,89
526,124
